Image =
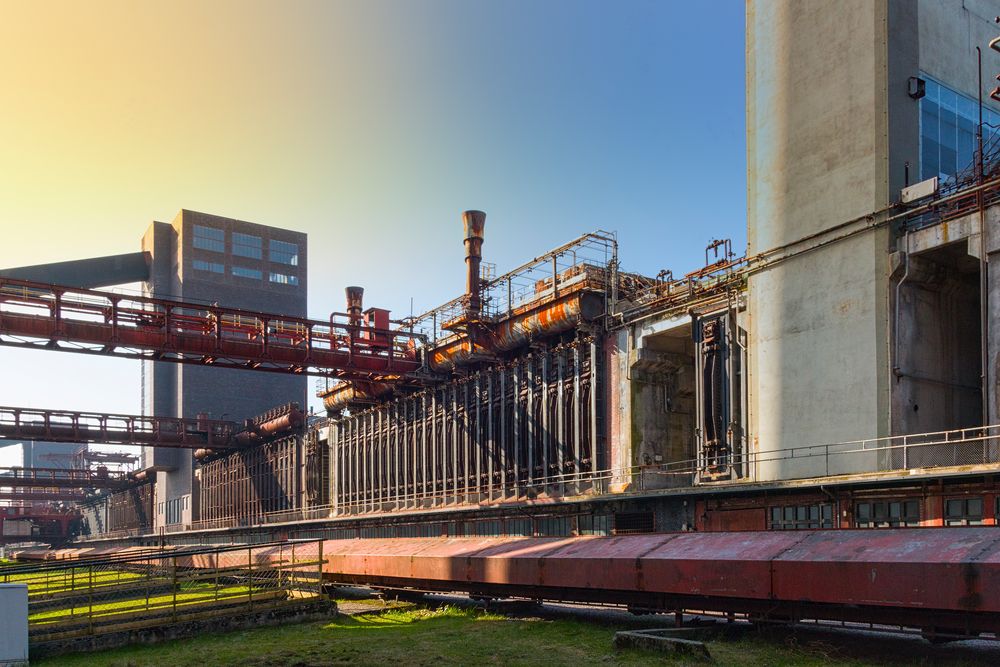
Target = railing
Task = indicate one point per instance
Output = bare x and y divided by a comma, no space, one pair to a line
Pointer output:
148,588
536,280
878,456
89,321
65,478
18,423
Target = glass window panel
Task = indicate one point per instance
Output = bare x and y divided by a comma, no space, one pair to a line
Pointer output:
948,98
828,512
929,119
864,510
969,108
245,272
949,163
814,512
214,267
247,245
953,508
284,279
209,238
929,159
975,507
895,510
283,252
789,514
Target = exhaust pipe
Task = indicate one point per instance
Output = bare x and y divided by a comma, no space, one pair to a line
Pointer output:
355,300
475,224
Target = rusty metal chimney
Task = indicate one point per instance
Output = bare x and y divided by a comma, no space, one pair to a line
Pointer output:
355,300
475,224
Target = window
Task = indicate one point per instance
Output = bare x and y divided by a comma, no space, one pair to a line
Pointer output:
519,528
244,272
594,524
209,238
634,522
283,252
800,517
963,512
247,245
214,267
556,526
887,514
948,123
175,509
284,279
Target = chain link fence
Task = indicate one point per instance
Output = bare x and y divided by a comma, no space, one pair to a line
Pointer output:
144,588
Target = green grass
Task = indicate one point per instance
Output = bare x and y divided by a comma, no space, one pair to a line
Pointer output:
452,636
195,595
52,580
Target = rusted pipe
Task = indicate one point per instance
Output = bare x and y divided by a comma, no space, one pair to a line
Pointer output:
347,393
474,223
291,420
355,304
551,318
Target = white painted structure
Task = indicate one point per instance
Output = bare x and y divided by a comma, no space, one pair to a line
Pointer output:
14,626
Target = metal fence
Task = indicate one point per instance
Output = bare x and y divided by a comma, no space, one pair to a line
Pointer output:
884,456
894,456
143,588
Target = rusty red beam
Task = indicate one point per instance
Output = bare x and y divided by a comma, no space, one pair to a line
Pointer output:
35,495
86,427
61,478
53,317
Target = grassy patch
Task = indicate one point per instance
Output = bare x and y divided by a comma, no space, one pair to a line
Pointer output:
199,595
453,636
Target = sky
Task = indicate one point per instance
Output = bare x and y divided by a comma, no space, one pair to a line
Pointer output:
370,125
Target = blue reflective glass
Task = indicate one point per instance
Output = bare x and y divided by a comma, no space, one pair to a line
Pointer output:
213,267
245,272
948,124
209,238
283,252
247,245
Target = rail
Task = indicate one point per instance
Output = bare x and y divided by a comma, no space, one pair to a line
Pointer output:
591,256
93,322
151,588
896,454
67,426
63,478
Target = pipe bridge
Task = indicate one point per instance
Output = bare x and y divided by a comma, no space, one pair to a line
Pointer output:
53,317
115,429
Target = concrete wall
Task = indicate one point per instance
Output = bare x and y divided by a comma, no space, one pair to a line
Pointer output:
830,130
185,390
816,142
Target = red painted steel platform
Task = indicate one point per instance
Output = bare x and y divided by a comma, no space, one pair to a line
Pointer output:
943,578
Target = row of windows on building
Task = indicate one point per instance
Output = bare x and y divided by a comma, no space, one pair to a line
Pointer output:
245,245
173,510
246,272
966,511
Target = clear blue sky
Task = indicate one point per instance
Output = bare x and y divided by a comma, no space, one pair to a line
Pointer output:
370,126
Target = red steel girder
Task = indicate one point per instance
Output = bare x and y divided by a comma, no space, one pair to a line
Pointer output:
40,495
113,429
93,322
61,478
